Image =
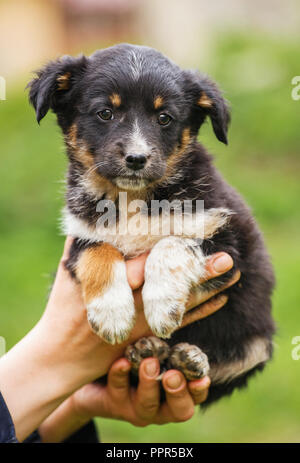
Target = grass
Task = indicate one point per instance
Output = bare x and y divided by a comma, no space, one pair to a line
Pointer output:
262,162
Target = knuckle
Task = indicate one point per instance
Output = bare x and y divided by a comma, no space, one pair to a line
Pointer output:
119,384
149,408
178,394
64,262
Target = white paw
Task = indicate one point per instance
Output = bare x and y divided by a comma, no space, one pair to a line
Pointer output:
163,310
172,268
112,314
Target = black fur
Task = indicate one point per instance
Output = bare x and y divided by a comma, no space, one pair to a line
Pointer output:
247,314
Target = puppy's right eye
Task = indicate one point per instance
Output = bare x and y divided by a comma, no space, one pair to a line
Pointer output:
164,119
106,114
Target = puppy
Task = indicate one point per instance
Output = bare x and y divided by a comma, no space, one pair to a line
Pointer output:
130,119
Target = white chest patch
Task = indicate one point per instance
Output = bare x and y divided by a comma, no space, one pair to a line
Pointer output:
141,232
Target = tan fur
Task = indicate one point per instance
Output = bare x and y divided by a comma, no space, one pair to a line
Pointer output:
185,141
94,269
176,156
97,186
115,99
63,81
204,101
94,183
158,102
79,150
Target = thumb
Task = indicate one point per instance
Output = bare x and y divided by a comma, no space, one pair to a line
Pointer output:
135,271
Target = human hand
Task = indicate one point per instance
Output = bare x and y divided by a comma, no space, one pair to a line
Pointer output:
61,353
199,305
94,399
117,400
73,345
141,406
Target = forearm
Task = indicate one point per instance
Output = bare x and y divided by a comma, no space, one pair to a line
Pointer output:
38,374
30,384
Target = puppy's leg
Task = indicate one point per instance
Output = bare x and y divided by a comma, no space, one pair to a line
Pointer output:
107,294
173,267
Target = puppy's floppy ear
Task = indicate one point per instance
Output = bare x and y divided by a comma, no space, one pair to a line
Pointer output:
207,100
54,84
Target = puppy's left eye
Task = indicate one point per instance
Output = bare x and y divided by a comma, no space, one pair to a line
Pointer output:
164,119
106,114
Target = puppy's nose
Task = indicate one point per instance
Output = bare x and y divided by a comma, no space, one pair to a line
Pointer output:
135,161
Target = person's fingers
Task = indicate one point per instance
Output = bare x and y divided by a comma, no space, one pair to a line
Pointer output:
65,288
147,399
135,271
204,310
178,398
118,386
91,400
67,247
62,272
199,389
219,263
197,297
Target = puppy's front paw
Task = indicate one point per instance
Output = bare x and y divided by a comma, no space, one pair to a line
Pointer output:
190,360
173,267
164,311
111,319
112,314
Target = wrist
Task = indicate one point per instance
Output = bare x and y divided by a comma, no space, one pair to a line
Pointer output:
29,371
63,422
78,409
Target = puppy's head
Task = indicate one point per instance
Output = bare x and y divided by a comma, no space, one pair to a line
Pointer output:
127,112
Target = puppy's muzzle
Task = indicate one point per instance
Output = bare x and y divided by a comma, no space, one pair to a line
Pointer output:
135,161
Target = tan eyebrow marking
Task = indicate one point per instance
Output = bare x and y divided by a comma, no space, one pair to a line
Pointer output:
185,140
63,81
204,101
115,99
158,102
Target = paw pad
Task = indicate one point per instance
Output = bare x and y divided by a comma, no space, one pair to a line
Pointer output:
190,360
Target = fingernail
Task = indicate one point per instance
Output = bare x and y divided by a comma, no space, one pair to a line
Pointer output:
203,384
125,369
151,368
174,381
219,300
222,263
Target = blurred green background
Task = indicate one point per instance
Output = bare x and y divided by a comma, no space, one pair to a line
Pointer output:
262,161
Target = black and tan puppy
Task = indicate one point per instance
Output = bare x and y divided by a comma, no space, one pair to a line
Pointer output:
130,119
